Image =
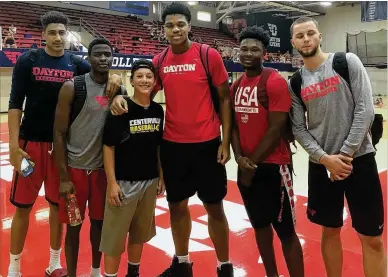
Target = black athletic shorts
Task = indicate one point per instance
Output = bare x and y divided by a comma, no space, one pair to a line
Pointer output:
190,168
269,199
362,190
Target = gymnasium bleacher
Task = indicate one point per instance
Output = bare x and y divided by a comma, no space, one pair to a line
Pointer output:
25,16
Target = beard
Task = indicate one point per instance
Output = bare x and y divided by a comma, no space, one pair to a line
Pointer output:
309,54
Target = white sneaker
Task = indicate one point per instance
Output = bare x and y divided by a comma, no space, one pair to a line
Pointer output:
20,275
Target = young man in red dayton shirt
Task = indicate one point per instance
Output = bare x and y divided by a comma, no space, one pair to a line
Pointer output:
261,104
193,157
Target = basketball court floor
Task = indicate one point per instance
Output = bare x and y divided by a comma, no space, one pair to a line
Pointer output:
158,252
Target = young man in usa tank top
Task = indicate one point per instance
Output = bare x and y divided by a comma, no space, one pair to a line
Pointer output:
342,156
78,129
192,153
263,156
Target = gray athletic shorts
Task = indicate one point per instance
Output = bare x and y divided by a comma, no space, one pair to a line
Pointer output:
136,217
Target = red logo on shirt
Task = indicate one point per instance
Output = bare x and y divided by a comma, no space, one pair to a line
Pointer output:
52,75
320,89
179,68
244,118
102,101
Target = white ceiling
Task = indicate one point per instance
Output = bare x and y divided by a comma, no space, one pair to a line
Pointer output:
286,9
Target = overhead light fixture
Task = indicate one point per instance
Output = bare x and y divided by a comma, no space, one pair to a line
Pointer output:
325,4
192,3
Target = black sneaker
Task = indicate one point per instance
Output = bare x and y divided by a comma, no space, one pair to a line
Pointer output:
225,271
177,269
133,271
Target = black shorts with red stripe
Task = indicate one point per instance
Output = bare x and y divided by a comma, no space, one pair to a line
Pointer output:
269,200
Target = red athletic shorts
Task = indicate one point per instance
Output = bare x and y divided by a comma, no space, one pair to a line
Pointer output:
24,191
90,187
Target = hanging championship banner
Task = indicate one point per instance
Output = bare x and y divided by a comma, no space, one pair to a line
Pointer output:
373,11
277,27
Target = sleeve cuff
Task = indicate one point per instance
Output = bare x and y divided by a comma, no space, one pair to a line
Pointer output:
347,150
318,155
217,85
15,107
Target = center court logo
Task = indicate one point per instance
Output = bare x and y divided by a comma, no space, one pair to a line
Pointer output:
235,213
199,238
6,169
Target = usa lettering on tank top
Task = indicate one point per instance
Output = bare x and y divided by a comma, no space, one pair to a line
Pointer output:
84,141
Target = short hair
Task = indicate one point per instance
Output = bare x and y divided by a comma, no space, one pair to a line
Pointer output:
255,32
300,20
98,41
142,63
54,17
176,8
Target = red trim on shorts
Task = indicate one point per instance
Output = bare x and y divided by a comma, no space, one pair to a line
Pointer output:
288,184
14,185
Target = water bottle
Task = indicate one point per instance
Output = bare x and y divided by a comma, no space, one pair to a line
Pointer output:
73,211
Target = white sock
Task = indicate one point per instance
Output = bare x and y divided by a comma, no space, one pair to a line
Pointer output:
110,274
133,263
95,272
184,259
219,264
14,265
55,259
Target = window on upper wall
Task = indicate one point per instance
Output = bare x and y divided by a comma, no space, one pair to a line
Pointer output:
153,8
204,16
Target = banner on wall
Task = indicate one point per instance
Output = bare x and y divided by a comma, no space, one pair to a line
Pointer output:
278,29
130,7
373,11
8,58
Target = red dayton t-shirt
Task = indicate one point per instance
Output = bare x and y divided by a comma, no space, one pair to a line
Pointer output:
190,114
252,117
